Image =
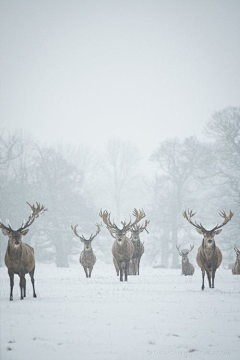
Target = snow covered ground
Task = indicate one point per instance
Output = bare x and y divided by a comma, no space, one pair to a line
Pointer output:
157,315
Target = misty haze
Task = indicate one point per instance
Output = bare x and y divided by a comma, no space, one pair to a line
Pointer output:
120,179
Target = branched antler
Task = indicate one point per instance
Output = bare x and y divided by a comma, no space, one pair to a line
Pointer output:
236,249
226,219
141,228
188,215
81,237
35,213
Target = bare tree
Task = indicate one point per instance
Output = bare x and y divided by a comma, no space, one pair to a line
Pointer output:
178,163
120,165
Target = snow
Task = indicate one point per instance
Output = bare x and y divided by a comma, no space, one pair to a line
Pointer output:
157,315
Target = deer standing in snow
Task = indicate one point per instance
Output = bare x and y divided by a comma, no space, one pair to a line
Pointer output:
87,258
19,257
137,245
209,256
122,248
187,267
236,267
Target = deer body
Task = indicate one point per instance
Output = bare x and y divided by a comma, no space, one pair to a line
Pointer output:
122,255
20,260
122,248
138,251
236,267
187,267
209,256
19,257
87,258
138,246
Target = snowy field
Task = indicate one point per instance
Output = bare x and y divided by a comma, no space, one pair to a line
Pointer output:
157,315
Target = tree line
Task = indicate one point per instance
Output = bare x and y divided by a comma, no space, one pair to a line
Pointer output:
74,182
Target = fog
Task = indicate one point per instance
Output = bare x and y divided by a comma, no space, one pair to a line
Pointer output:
98,98
84,72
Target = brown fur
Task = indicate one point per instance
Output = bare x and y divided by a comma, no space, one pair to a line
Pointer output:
236,266
209,260
122,255
137,254
20,261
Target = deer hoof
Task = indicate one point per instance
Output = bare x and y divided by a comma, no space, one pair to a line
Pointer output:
34,295
11,298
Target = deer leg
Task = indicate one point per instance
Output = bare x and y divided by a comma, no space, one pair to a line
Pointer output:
33,281
203,274
24,287
121,271
209,278
138,265
11,276
22,282
213,277
90,271
126,270
86,272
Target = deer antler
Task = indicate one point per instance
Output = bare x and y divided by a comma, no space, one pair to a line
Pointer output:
236,249
74,229
97,232
141,227
188,216
178,248
81,237
2,226
107,221
35,213
226,219
191,247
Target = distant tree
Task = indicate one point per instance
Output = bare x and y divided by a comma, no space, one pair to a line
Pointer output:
121,167
58,184
224,129
178,164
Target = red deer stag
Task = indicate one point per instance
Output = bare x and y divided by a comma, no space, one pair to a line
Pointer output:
209,256
87,258
187,267
137,245
122,248
19,257
236,267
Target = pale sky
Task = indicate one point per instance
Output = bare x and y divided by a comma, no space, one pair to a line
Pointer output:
86,71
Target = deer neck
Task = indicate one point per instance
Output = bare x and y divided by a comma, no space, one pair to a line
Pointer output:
14,252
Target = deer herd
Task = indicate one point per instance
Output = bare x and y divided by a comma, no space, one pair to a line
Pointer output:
127,252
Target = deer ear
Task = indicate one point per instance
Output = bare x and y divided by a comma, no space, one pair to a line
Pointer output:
199,231
24,232
218,231
5,232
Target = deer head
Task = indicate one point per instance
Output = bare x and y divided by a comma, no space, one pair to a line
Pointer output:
87,242
120,234
15,236
208,235
137,229
184,253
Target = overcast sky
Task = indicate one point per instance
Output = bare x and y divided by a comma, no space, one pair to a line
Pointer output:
86,71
